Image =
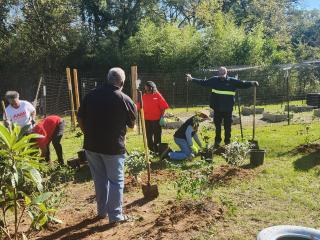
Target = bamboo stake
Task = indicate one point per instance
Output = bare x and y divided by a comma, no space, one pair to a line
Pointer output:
73,122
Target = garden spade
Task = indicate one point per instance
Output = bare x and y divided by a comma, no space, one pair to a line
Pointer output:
149,191
254,143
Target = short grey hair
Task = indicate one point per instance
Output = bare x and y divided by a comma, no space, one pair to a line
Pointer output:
11,95
222,71
116,76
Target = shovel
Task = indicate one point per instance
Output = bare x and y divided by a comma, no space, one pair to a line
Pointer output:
149,191
254,143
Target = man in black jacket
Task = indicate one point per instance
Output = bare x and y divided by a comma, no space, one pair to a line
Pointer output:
222,99
104,115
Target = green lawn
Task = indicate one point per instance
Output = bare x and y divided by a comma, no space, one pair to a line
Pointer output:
285,190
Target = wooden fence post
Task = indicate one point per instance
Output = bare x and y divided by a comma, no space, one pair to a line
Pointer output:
76,88
73,119
134,78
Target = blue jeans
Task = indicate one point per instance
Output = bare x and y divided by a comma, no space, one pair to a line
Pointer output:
185,150
108,176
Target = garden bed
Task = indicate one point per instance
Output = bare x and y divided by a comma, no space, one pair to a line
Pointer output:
247,111
298,109
275,117
225,173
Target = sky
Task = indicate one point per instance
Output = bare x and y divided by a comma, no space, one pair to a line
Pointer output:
311,4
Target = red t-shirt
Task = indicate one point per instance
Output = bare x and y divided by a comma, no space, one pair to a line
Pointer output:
46,127
153,105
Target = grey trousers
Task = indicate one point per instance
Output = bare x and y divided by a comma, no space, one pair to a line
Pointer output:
108,176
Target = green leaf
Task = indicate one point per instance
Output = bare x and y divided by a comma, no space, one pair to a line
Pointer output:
27,200
42,198
5,136
36,176
43,220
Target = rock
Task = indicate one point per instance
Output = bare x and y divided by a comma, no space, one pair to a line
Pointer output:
298,109
316,112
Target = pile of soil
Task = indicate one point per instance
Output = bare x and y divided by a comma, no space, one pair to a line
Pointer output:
225,173
307,148
180,220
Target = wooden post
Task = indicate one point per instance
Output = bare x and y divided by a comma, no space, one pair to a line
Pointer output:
76,88
73,120
5,116
35,101
45,100
134,78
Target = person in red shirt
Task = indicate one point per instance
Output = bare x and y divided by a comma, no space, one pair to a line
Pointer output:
154,106
51,128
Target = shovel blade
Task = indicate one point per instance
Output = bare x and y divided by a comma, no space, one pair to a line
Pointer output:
150,191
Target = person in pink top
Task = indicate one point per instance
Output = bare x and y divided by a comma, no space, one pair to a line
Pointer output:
154,106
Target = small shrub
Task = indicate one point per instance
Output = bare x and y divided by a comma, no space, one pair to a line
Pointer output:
236,152
135,163
193,184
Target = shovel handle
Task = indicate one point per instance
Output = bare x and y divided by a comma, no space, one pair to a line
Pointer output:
4,111
254,112
144,134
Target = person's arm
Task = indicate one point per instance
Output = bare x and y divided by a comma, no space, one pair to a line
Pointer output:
32,111
189,135
81,115
202,82
80,123
243,84
196,138
162,104
131,113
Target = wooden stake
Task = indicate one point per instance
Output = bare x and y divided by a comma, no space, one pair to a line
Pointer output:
134,78
76,88
73,119
35,101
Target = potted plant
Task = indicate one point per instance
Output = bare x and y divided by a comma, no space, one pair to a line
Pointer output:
236,152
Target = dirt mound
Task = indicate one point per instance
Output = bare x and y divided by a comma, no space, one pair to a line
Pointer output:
225,173
181,220
307,148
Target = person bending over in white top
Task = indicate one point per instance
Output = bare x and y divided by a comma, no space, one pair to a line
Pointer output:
19,111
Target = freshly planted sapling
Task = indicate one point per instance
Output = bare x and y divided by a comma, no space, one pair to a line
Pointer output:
135,164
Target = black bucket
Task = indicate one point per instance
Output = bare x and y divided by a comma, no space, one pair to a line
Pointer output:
82,156
257,157
207,155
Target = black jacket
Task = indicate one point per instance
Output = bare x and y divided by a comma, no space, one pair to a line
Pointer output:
223,91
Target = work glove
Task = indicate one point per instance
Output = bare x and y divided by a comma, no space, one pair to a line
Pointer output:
194,149
255,83
162,122
189,77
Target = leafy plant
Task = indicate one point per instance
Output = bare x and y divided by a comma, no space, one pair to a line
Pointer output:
191,183
236,152
135,163
21,188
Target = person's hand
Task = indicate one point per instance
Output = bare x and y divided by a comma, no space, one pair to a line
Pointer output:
255,84
6,123
189,77
194,149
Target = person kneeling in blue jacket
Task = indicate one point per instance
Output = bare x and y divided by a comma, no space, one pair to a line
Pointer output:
183,138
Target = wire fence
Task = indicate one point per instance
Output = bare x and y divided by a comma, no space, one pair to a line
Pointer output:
279,86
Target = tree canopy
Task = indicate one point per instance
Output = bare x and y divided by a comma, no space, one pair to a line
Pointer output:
47,35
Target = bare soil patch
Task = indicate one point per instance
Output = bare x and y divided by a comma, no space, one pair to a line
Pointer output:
225,173
307,148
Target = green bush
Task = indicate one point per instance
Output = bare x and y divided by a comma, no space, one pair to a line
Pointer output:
135,163
21,183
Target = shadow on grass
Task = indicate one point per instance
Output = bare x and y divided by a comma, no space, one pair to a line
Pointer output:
307,162
79,230
83,174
